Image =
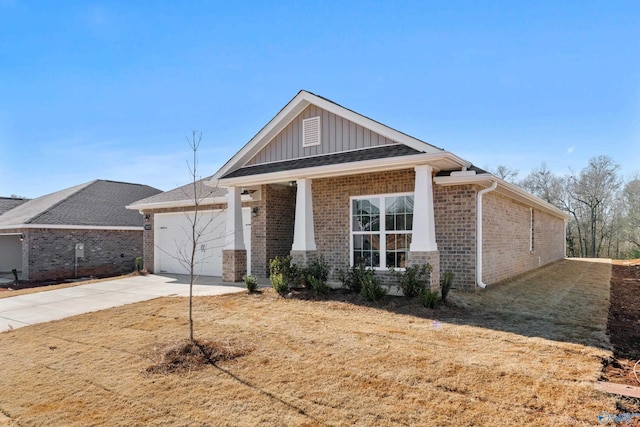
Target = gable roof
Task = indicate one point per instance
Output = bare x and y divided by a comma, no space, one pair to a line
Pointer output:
297,105
206,193
8,203
95,204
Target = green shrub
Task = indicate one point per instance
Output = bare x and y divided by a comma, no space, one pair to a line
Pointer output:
445,286
139,263
353,278
279,283
413,280
429,298
319,286
371,290
251,282
284,267
318,269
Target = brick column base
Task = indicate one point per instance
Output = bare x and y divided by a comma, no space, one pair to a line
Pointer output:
303,258
234,264
432,258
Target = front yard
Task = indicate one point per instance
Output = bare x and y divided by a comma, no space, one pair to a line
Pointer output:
521,353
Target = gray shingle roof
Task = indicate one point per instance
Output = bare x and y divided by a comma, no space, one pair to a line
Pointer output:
8,203
329,159
95,203
184,193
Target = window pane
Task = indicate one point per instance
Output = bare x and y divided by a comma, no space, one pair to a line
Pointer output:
375,223
409,222
400,222
389,222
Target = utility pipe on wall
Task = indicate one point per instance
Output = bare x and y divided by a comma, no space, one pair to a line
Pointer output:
481,193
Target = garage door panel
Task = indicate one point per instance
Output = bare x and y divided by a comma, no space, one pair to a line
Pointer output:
173,237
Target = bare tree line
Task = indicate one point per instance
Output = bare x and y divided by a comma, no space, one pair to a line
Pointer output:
604,208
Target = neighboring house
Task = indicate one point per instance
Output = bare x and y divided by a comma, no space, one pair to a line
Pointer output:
79,231
327,181
8,203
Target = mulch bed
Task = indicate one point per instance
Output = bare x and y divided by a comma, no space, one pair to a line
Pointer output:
623,325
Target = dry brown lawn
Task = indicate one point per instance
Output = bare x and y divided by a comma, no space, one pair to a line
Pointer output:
524,352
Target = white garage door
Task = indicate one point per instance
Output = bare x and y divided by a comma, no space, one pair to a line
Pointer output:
173,241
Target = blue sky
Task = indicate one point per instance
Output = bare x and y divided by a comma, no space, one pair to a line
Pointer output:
111,90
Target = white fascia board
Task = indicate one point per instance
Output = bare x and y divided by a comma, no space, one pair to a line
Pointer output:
177,204
71,227
341,169
505,188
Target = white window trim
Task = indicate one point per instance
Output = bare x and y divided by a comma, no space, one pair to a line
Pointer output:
381,232
309,122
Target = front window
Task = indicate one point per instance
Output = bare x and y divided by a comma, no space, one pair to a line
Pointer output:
381,230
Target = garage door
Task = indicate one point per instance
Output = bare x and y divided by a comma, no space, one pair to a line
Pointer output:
173,242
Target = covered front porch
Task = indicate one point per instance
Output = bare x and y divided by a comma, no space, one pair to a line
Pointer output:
309,216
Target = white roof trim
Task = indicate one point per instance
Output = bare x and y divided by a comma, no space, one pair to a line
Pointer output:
505,188
341,169
301,101
177,203
71,227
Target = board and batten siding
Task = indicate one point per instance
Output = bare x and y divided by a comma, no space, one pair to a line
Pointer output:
337,134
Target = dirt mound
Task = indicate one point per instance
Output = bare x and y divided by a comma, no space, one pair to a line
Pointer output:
623,325
187,355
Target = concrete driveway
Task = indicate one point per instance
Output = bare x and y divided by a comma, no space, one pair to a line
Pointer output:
24,310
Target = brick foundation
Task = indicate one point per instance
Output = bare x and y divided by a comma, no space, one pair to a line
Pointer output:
432,258
234,265
304,258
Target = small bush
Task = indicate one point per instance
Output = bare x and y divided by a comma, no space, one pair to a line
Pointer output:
319,269
318,286
371,289
445,286
251,282
429,298
353,278
279,283
139,264
414,280
287,269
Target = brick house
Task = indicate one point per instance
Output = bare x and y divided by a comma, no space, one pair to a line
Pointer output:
80,231
322,180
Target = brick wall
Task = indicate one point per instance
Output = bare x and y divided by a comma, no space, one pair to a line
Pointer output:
272,228
51,253
331,211
455,218
506,243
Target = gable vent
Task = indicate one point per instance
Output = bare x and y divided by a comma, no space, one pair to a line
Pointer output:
311,132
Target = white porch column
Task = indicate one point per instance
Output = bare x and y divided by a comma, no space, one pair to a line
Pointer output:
424,230
303,235
235,238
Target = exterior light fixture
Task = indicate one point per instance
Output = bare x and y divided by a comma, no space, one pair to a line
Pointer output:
22,237
254,211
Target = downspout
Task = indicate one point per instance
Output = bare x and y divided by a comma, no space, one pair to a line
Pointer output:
479,281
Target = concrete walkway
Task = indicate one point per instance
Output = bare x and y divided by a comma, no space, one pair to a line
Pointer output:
24,310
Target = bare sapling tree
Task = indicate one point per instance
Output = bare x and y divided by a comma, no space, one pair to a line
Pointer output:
199,233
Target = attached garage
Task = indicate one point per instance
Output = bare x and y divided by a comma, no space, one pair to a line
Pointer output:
172,236
10,252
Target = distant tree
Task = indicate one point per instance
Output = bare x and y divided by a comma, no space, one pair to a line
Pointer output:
543,183
631,203
592,194
506,173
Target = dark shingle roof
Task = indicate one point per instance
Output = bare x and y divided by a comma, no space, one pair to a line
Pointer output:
8,203
95,203
184,193
381,152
